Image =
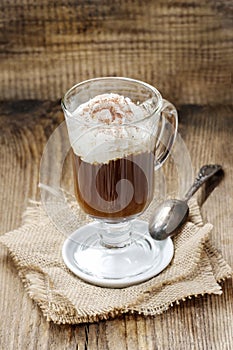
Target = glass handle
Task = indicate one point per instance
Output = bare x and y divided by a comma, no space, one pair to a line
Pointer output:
166,134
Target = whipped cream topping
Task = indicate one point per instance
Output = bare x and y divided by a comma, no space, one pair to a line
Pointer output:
110,109
102,129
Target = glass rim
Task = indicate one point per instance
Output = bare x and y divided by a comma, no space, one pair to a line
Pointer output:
139,82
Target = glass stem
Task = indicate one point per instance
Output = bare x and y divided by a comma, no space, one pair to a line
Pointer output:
115,235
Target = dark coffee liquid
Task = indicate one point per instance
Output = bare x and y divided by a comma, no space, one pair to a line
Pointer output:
119,189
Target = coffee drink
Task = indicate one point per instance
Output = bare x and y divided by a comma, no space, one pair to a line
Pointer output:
113,160
121,188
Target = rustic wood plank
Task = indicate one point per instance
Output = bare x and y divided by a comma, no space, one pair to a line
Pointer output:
182,47
199,323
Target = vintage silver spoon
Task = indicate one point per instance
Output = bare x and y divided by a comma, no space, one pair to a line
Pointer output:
172,213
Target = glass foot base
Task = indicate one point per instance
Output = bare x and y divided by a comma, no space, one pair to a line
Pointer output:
138,260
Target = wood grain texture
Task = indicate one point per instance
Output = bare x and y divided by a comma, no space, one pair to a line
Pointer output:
197,324
182,47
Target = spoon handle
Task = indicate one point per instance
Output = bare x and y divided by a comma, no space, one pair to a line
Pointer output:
204,174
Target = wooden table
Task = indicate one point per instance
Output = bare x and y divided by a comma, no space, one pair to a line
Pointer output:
200,323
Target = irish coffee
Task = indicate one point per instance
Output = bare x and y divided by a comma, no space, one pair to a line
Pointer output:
113,157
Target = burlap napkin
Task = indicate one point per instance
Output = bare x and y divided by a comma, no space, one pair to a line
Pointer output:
196,269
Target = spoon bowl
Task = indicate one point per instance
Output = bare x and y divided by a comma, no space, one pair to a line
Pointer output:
167,217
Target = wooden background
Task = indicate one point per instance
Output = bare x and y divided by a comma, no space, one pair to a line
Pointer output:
185,49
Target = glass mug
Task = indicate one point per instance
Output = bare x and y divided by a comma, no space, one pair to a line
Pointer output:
120,131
